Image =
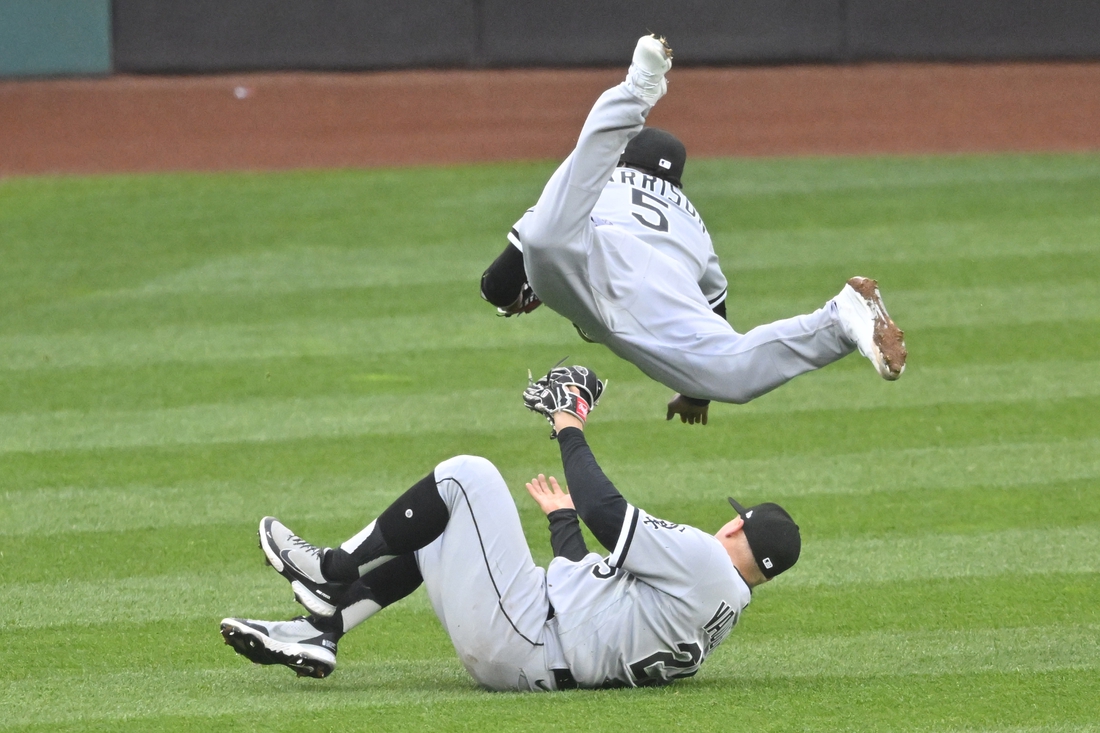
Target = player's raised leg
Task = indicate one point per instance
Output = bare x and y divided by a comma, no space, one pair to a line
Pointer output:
556,234
861,310
297,644
568,198
484,585
698,353
308,644
320,576
458,532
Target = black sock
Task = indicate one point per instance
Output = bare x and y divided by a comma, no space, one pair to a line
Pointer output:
385,585
413,521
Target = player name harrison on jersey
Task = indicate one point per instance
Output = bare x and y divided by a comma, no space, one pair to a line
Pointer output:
657,186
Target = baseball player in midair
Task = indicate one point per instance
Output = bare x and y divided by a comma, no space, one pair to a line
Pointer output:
647,612
614,245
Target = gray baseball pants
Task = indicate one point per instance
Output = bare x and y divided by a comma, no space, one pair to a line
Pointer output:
640,303
484,585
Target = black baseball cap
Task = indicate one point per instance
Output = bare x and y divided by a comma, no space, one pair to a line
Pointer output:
658,152
773,536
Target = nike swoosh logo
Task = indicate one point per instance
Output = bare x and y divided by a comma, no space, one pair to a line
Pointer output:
541,684
285,555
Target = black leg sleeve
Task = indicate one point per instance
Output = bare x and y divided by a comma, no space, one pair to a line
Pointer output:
414,520
389,583
503,280
385,585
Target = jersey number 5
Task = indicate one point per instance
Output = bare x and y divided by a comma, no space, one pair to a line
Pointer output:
663,666
639,199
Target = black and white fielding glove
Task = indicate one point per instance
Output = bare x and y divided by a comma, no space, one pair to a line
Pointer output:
550,395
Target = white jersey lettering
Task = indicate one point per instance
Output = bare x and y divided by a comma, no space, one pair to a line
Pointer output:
651,611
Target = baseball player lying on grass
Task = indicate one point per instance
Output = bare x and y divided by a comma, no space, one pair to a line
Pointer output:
615,246
650,611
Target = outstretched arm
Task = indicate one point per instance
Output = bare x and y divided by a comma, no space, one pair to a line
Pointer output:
598,502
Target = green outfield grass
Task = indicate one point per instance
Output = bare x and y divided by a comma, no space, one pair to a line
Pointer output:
182,354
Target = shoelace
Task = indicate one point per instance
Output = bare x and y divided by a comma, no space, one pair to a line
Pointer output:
305,546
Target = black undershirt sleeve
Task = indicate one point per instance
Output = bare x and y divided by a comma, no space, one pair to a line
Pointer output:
503,280
600,505
565,535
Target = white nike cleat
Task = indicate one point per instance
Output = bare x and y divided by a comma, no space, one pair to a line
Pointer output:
865,321
646,76
297,644
300,563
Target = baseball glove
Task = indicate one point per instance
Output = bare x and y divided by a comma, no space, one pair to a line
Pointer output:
550,394
525,303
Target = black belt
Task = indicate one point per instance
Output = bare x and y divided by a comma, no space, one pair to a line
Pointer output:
564,678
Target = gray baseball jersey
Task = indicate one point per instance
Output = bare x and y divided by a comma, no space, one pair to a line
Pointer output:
646,614
660,215
651,611
599,257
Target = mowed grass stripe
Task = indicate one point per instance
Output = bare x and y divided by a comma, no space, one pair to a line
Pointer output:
954,470
184,354
970,244
257,419
961,703
883,653
146,599
440,332
913,309
991,355
936,605
218,527
866,176
1015,551
260,593
827,562
955,249
871,657
881,470
296,269
943,605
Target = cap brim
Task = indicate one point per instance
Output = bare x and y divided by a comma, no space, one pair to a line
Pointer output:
736,507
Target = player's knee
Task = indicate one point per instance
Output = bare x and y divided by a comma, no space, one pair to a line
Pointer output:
470,475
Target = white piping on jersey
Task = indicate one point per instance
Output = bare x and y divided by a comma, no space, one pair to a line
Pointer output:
626,536
513,237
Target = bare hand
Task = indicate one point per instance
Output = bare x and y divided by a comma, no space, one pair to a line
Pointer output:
548,494
688,412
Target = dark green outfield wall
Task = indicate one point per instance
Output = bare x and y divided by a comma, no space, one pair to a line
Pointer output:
184,36
216,35
55,37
